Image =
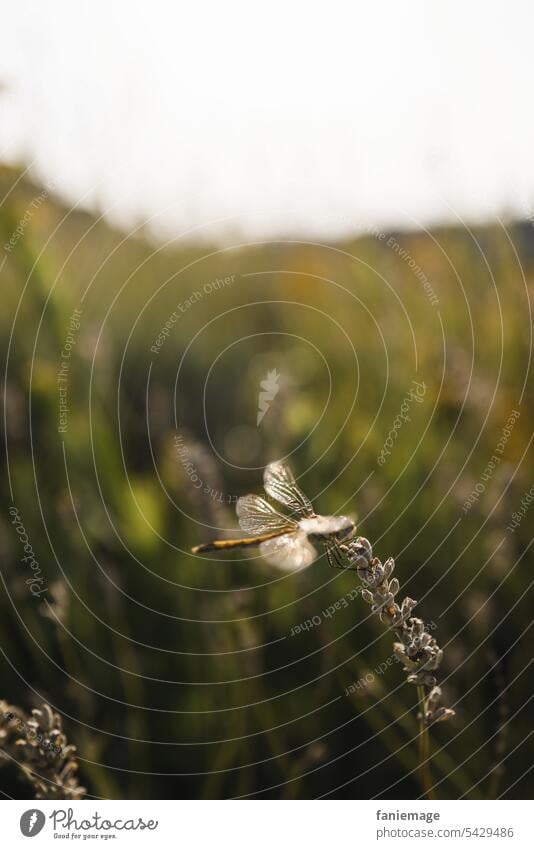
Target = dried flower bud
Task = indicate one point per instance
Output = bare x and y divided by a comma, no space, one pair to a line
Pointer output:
398,649
361,549
433,699
358,553
394,586
389,566
442,714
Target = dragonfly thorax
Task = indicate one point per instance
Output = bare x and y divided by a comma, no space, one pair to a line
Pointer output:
323,527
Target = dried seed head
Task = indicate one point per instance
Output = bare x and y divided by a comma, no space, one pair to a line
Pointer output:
39,747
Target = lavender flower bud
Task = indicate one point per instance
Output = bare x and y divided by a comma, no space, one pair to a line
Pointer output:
359,553
394,586
442,714
389,566
432,700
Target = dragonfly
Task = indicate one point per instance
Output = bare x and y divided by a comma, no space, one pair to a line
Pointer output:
286,541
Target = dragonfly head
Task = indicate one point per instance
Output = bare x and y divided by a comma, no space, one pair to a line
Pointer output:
345,528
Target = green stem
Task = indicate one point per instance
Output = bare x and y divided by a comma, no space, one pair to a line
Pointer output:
424,747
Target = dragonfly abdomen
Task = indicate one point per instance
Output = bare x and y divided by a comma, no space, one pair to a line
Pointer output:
220,544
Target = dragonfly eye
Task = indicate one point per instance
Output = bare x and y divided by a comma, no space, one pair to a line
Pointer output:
345,532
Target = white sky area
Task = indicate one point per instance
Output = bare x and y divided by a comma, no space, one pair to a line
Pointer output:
273,118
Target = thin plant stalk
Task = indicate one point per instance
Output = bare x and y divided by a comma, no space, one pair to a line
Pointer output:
424,747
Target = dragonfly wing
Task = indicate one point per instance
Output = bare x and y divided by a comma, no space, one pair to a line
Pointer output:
280,484
291,551
256,516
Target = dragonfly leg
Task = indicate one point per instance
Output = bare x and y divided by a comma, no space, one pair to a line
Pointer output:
334,556
329,556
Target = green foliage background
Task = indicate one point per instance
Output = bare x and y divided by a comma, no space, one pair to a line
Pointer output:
178,676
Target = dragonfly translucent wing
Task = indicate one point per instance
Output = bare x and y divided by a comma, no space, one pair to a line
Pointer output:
291,551
280,484
256,516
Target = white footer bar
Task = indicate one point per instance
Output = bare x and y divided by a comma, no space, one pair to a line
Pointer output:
267,824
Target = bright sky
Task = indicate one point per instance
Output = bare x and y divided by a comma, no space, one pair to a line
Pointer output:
276,117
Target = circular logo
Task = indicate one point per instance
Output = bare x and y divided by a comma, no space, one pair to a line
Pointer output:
32,822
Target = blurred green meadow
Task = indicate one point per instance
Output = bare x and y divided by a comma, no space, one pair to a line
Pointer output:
131,428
